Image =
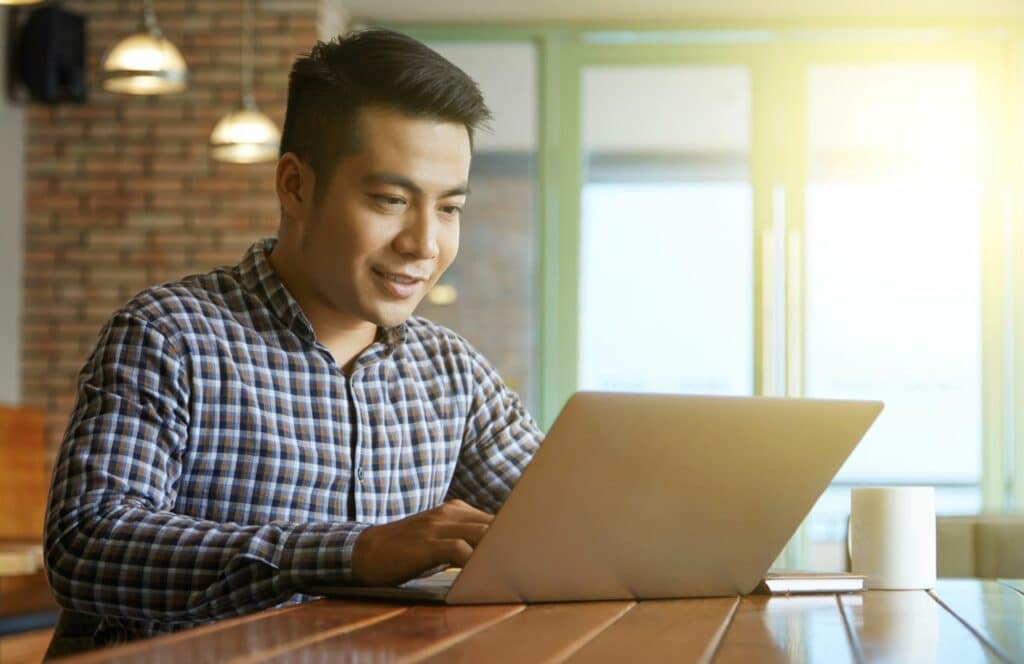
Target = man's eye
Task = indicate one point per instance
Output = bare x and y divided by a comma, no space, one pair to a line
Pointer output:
389,200
453,210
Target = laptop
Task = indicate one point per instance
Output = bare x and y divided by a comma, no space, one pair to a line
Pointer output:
647,496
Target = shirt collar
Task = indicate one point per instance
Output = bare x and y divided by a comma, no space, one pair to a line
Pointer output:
258,276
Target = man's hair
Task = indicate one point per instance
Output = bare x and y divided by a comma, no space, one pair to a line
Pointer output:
328,87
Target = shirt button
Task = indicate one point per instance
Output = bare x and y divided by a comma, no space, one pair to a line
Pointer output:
359,474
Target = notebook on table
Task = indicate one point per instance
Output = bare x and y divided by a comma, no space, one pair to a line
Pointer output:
787,582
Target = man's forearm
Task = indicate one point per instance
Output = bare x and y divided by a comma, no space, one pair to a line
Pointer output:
122,559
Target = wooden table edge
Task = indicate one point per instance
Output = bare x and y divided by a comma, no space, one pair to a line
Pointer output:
103,653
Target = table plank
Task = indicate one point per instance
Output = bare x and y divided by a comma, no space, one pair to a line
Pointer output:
542,632
268,631
909,626
664,630
807,628
418,632
992,610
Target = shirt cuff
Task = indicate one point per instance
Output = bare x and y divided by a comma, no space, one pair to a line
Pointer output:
319,554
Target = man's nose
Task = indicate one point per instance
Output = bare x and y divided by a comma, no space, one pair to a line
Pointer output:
419,235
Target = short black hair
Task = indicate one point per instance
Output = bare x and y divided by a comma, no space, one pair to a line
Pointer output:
328,87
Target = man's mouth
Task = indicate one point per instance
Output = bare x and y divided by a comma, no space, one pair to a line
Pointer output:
400,278
398,284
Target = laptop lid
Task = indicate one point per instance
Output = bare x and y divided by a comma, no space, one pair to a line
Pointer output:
655,496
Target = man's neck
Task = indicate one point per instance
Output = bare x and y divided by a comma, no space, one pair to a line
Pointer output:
344,336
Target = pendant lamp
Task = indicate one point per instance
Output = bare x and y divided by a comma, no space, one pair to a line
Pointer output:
245,135
145,63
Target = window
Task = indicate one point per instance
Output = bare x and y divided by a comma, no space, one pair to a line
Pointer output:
666,255
894,277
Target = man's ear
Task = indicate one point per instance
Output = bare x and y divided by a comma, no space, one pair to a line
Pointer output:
296,184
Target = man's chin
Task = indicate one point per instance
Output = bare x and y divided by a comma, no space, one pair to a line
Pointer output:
388,319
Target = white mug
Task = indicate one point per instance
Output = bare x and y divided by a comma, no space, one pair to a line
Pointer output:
892,537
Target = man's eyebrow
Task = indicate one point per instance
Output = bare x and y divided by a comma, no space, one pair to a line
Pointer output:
406,183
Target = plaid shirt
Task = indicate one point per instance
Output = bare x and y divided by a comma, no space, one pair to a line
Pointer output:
219,462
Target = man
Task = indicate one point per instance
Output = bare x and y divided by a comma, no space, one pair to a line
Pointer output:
244,437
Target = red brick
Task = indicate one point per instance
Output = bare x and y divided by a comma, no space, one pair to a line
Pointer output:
165,185
53,201
147,220
79,112
220,185
48,132
57,166
114,165
38,116
112,275
120,130
228,39
86,220
90,149
114,203
88,185
155,258
106,240
41,151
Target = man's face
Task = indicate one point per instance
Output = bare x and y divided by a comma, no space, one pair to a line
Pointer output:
388,225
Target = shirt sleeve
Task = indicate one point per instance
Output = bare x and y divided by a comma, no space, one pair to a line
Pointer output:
114,545
500,439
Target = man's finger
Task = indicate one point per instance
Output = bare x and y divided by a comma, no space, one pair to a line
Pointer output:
466,512
450,552
472,533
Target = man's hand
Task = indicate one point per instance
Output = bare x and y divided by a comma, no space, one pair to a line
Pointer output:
396,552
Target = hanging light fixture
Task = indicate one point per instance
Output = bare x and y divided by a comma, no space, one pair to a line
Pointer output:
145,63
245,135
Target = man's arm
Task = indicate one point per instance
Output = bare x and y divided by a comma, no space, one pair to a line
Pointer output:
500,440
114,547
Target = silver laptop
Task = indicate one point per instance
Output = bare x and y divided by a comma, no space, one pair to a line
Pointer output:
644,496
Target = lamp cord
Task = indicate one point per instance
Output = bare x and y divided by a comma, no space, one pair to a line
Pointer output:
149,19
247,54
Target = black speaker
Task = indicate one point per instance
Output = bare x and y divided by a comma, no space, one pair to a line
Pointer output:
50,55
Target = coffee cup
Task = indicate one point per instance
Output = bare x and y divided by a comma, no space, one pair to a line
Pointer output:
892,537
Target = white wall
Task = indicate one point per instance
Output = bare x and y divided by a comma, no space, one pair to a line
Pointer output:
507,76
12,200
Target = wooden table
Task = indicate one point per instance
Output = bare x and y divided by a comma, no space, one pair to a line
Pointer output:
960,621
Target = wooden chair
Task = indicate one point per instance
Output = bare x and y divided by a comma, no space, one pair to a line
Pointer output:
26,605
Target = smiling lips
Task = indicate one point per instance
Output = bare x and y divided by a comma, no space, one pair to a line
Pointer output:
398,284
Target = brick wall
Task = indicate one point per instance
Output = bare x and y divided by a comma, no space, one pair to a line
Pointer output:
121,194
120,191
